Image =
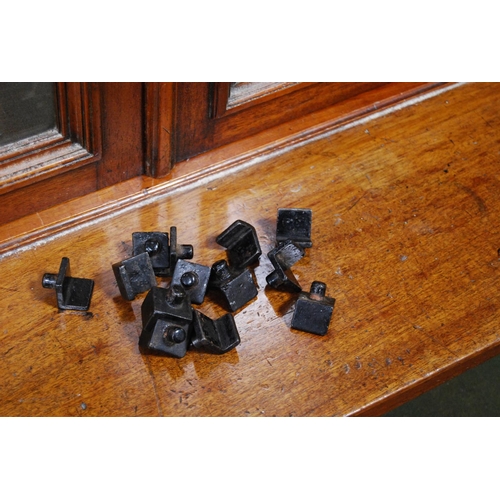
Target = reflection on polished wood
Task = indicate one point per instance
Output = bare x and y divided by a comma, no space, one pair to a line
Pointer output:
405,234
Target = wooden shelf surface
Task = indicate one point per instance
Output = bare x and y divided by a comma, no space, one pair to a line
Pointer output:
406,234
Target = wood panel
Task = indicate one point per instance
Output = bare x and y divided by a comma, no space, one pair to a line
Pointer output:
50,192
74,143
250,149
99,138
405,234
198,129
159,127
122,132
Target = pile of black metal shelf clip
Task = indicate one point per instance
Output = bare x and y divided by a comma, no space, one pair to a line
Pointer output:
170,323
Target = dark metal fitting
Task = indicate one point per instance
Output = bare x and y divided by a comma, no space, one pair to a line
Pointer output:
214,336
152,247
193,277
240,240
156,245
283,279
237,286
282,257
188,279
166,321
318,290
71,293
178,251
176,295
286,254
161,303
313,310
220,272
134,275
294,224
165,339
174,334
163,255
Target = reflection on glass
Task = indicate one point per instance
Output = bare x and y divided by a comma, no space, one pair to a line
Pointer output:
26,109
242,92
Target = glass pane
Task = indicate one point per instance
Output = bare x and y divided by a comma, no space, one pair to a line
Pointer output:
242,92
26,109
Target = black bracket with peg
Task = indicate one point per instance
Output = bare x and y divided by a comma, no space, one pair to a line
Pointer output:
71,293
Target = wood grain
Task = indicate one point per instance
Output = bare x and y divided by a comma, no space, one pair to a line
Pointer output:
74,143
128,129
159,126
99,143
198,130
250,149
405,234
122,132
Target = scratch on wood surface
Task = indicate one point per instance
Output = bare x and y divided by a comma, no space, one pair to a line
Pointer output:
485,121
155,389
357,201
7,351
58,396
479,201
60,344
428,335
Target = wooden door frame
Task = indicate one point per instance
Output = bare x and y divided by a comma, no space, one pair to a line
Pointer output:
76,140
98,142
185,119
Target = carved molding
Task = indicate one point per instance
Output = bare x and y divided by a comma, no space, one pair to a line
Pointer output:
75,142
159,128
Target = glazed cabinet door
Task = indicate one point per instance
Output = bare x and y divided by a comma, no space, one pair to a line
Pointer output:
219,113
63,140
186,119
60,141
